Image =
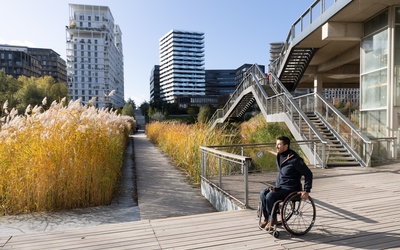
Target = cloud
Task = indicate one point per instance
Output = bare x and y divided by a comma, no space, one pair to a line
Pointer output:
16,42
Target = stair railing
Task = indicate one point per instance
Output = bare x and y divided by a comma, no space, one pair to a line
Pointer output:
356,142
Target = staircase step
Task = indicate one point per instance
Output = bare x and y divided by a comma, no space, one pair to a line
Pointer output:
341,164
341,158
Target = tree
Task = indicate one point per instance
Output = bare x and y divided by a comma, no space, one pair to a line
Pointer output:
204,114
128,109
8,89
144,107
33,90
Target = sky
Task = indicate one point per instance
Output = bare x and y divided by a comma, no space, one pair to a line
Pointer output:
236,31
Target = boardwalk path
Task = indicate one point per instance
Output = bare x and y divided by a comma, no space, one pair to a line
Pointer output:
356,209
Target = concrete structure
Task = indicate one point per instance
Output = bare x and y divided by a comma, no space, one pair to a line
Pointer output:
182,66
94,56
355,45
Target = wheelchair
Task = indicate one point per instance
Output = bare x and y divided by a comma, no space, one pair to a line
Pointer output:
297,216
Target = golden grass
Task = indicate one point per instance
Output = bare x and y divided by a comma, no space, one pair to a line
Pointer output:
62,158
182,143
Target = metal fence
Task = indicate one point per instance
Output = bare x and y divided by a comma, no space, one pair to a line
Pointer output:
233,169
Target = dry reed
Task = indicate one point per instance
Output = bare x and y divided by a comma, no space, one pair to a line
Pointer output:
68,156
182,143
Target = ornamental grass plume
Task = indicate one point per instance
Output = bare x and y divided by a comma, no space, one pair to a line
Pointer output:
68,156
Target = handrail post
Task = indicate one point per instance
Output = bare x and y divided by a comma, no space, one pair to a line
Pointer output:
246,182
323,155
220,171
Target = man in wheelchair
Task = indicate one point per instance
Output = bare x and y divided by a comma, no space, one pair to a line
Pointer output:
291,168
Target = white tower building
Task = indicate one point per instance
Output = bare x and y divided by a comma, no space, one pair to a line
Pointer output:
181,65
95,65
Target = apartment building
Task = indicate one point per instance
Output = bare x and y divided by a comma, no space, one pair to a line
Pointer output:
94,56
19,61
182,75
51,63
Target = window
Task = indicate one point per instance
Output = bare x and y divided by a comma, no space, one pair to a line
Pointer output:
89,54
75,66
82,85
97,18
95,41
82,47
82,79
95,54
75,46
81,17
89,24
95,48
88,47
80,24
89,18
82,53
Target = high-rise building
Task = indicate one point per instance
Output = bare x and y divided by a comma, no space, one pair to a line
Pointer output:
94,56
155,83
182,73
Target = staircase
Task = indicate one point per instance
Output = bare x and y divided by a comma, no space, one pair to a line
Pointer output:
337,154
295,66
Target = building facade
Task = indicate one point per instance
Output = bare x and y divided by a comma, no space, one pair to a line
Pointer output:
155,83
51,63
16,61
182,75
95,66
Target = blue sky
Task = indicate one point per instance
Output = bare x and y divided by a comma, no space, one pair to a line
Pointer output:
236,32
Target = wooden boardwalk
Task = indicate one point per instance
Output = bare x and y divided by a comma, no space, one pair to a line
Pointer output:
356,209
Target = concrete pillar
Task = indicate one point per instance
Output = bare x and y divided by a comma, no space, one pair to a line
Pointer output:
318,89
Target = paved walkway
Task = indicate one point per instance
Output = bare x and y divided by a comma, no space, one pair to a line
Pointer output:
162,189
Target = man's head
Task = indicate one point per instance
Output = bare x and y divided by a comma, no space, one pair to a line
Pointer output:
282,144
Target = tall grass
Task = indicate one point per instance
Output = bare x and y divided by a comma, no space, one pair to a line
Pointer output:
69,156
182,143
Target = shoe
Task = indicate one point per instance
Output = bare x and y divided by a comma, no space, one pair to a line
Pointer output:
269,225
262,225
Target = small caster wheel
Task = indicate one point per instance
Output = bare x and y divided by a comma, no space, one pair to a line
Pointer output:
276,234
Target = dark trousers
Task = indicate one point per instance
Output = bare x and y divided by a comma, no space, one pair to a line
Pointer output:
268,198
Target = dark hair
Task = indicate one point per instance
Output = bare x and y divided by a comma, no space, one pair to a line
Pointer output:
284,139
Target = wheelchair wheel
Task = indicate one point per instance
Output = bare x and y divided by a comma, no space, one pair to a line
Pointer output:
297,215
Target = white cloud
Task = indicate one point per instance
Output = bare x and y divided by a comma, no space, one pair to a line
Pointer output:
16,42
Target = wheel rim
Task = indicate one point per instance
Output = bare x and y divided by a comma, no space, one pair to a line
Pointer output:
298,216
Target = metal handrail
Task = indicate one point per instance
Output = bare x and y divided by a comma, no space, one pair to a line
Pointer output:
301,24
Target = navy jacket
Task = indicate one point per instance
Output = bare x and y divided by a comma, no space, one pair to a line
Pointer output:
290,171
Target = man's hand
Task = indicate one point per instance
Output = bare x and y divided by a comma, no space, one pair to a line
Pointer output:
303,195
